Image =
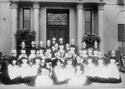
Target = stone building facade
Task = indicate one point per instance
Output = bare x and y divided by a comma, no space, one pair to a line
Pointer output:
64,18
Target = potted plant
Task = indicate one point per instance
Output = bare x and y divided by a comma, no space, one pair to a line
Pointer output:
24,35
90,39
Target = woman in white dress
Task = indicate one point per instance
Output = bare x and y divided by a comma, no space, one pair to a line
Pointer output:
14,72
69,69
113,72
32,55
43,79
102,73
58,73
79,78
83,53
90,69
34,71
25,70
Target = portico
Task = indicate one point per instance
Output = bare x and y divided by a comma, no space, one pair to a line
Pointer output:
77,18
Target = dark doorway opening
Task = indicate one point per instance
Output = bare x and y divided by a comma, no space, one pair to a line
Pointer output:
58,24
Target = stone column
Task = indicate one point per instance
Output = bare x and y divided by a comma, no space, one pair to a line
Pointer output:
36,21
14,7
100,25
80,24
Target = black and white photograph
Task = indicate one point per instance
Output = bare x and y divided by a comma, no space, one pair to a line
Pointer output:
62,44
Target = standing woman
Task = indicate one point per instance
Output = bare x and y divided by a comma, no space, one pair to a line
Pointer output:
96,52
83,53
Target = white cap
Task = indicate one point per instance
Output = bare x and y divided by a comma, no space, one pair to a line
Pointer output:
67,45
41,42
23,51
48,41
95,42
84,43
60,39
23,42
13,51
89,50
33,42
113,51
54,38
72,40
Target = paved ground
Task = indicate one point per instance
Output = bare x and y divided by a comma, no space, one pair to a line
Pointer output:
93,85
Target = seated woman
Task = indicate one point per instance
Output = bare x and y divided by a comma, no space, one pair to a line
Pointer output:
79,78
43,79
58,73
34,71
90,69
102,73
113,72
35,66
69,69
25,70
14,73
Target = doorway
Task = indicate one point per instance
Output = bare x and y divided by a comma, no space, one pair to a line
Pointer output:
58,24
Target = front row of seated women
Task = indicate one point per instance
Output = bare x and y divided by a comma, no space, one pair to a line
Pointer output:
47,72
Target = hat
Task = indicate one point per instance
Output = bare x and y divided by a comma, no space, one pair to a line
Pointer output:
23,51
23,42
101,54
89,50
113,51
83,43
53,38
60,39
48,41
41,42
33,42
67,45
13,51
95,43
72,40
37,52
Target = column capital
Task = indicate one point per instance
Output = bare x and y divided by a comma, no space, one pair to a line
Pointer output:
101,6
36,6
79,6
14,5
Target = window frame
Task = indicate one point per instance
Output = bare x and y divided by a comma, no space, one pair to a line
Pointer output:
29,18
91,30
122,33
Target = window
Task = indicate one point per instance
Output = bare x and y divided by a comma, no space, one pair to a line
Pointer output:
26,18
88,21
121,38
121,32
120,2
